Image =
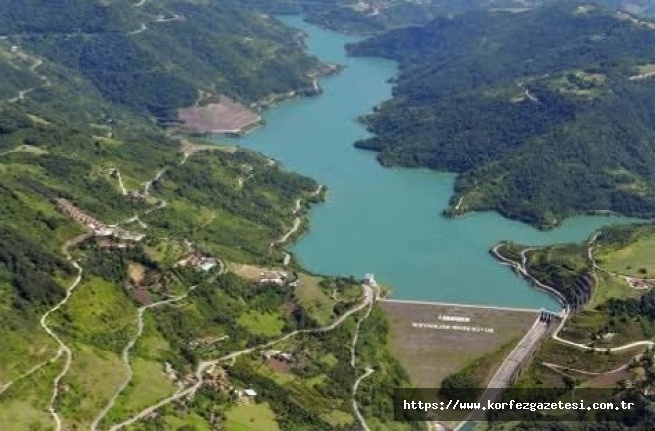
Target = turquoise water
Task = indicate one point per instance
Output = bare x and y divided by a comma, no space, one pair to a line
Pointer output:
388,221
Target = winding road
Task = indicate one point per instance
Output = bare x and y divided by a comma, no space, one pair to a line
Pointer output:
353,363
205,366
297,220
148,184
120,181
63,348
46,82
358,413
141,29
521,267
128,348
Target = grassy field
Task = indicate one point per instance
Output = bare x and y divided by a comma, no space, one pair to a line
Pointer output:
268,325
255,417
23,406
598,362
569,359
92,379
96,323
338,418
309,293
312,297
151,344
175,422
636,259
646,68
149,384
100,314
249,272
608,287
17,356
429,355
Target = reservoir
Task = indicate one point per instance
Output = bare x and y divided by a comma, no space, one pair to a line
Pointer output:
388,221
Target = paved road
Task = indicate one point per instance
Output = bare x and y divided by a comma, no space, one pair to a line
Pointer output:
448,304
512,364
518,357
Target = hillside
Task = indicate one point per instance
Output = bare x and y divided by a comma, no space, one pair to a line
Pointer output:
155,251
608,284
134,261
377,16
154,57
543,114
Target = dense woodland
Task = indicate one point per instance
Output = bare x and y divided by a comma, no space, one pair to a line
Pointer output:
377,16
77,102
540,124
159,57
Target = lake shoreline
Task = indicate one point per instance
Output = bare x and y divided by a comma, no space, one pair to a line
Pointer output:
390,221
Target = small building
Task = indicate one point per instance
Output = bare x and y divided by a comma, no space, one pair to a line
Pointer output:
103,231
278,355
369,280
269,354
207,266
250,393
275,277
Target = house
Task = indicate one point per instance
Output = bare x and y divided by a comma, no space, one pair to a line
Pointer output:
250,393
275,277
278,355
208,265
197,260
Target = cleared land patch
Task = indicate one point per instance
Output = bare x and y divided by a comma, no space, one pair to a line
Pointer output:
226,116
636,259
312,297
430,343
256,417
261,324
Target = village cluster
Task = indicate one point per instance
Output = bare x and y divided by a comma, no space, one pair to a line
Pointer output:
99,228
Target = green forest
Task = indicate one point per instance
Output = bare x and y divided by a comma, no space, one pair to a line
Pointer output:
539,112
159,57
84,102
378,16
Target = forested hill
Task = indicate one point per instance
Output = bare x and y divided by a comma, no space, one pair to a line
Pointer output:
151,57
544,113
376,16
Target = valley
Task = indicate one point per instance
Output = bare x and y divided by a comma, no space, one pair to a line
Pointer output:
207,276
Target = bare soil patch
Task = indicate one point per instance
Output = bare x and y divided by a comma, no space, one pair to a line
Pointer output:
280,367
142,296
137,273
432,342
226,116
609,380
